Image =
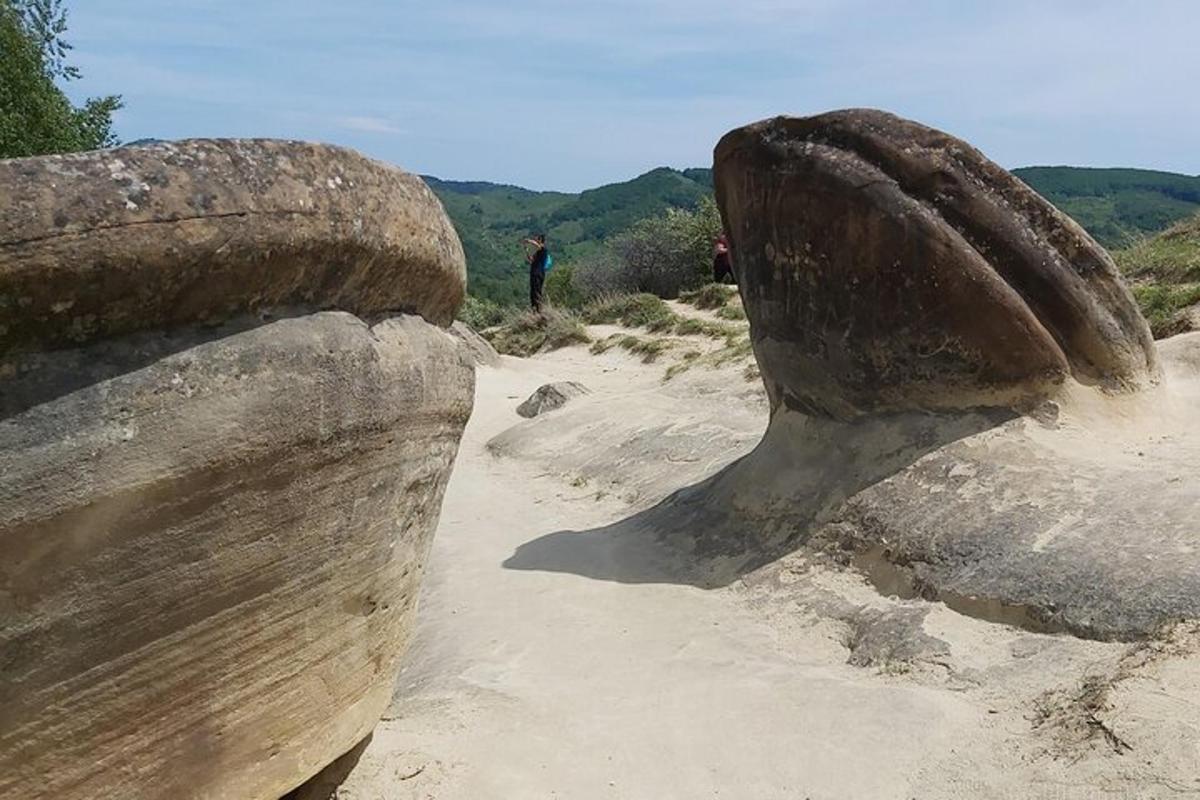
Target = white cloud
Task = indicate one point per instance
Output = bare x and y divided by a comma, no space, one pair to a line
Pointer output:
369,125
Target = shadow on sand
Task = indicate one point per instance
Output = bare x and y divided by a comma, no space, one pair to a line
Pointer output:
756,510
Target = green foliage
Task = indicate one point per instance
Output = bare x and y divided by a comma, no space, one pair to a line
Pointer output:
1173,255
36,117
733,313
671,252
532,333
561,290
1165,269
1115,205
710,295
480,314
491,220
630,310
1162,305
649,348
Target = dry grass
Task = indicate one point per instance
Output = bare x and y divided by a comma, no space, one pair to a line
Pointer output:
532,333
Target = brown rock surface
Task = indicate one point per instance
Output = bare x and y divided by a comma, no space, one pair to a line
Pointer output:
213,535
109,242
889,266
966,402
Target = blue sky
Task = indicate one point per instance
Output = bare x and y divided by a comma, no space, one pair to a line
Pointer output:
567,95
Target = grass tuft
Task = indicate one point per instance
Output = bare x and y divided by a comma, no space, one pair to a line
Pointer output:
710,295
532,333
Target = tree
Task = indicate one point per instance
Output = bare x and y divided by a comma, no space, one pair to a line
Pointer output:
670,253
36,117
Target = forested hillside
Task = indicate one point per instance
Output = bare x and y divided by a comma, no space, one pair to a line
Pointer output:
492,219
1115,205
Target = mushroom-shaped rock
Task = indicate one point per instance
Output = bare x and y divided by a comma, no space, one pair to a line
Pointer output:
886,266
228,413
964,393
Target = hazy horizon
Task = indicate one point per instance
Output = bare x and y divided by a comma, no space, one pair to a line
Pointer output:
567,98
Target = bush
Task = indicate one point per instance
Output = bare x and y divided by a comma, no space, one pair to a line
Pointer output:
561,290
661,255
532,333
630,310
602,273
710,295
732,313
479,314
1173,255
1163,307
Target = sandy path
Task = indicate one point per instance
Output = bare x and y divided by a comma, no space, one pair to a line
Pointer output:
533,684
537,684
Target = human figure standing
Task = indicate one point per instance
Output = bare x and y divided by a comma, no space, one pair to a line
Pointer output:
722,264
537,269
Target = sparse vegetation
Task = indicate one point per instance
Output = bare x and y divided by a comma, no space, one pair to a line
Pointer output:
648,348
733,313
1172,256
480,313
630,310
1165,272
1165,306
709,296
534,333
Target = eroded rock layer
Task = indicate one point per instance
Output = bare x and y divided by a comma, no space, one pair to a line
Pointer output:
966,402
103,243
889,266
213,535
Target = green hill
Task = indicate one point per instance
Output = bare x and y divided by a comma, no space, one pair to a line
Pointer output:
492,219
1117,205
1164,271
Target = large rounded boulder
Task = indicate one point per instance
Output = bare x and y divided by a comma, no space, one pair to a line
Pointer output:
966,402
886,265
228,412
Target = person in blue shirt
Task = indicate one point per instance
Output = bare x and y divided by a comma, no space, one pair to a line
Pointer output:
537,257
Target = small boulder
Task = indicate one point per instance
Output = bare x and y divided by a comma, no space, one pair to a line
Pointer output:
550,397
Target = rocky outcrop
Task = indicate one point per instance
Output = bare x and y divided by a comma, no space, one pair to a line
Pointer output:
549,397
228,416
141,238
479,348
966,401
889,266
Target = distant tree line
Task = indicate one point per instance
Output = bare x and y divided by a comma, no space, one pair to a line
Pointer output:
36,116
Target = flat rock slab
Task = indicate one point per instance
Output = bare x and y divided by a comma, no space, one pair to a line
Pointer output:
549,397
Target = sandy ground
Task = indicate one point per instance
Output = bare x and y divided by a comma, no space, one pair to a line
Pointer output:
590,680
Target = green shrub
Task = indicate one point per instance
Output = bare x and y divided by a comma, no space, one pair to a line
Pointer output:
1173,255
649,349
479,314
630,310
1163,306
561,291
532,333
733,313
710,295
